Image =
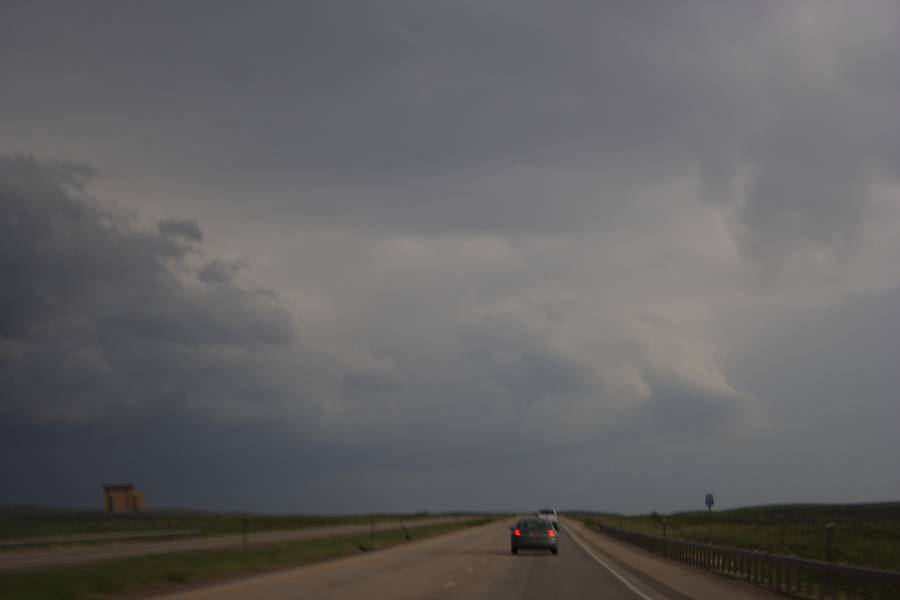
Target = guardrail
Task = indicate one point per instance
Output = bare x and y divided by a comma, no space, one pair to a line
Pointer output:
797,577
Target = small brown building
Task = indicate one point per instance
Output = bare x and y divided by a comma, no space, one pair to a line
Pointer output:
121,498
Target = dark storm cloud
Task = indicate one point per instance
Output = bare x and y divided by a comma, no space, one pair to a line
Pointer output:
103,319
825,373
186,229
219,270
100,318
828,139
677,406
607,226
479,117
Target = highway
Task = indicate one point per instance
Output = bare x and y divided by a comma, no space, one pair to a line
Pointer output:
474,564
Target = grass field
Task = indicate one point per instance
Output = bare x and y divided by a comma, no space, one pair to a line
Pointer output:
34,522
864,534
165,572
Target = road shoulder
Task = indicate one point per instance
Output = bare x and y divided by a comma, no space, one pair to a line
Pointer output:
670,578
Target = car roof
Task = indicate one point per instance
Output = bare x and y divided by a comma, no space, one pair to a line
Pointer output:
539,523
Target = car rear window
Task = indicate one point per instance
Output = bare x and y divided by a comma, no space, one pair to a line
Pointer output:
533,524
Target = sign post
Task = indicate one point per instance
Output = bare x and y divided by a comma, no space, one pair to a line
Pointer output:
709,504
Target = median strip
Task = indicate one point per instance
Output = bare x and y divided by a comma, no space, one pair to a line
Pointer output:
167,572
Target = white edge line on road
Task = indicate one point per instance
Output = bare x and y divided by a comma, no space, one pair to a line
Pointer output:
608,567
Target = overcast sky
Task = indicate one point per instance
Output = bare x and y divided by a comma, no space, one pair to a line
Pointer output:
353,256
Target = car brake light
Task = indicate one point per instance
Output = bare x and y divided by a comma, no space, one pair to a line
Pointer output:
518,532
551,533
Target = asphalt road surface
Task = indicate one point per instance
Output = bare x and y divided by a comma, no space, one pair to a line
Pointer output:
474,564
71,555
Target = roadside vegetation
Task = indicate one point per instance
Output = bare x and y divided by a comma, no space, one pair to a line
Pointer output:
167,572
863,534
28,522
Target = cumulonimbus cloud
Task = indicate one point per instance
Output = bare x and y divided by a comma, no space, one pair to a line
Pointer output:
103,318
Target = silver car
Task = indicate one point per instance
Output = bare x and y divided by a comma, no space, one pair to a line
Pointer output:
549,514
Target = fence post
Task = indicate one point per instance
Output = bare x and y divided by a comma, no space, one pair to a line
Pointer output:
829,557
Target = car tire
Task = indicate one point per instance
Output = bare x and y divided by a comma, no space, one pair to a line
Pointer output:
513,549
555,551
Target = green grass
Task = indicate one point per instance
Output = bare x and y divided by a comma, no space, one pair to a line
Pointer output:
864,534
168,571
34,522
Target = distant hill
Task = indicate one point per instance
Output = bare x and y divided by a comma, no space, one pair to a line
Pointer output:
887,509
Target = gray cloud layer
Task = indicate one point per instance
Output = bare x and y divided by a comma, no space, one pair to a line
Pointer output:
101,317
659,241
